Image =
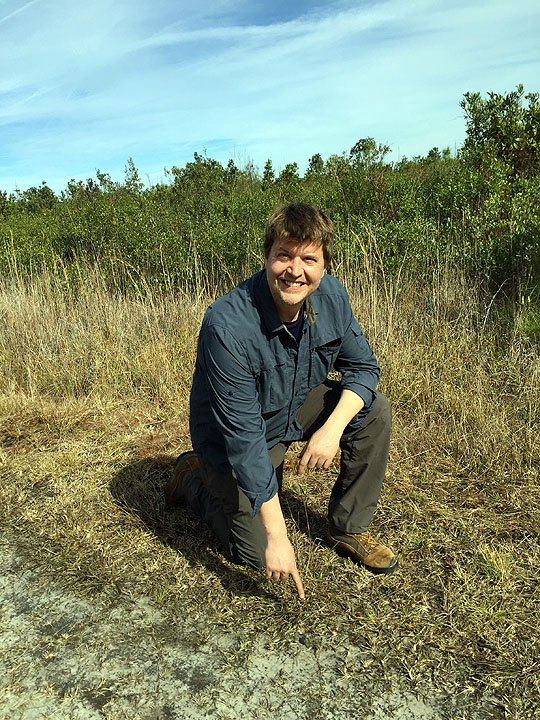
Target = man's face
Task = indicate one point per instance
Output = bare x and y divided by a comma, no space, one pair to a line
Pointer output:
294,271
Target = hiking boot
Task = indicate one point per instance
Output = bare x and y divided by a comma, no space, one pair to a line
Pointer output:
174,490
364,549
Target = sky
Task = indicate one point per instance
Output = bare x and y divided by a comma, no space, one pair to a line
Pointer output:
85,86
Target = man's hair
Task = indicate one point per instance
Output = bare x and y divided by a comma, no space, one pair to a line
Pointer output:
301,223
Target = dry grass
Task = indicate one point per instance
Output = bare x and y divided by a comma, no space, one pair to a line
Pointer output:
94,393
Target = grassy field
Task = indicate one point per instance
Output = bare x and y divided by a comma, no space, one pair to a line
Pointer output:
94,390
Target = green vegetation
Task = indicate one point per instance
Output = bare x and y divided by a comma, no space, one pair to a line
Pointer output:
477,211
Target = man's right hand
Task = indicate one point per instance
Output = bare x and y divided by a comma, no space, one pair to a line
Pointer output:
279,555
281,562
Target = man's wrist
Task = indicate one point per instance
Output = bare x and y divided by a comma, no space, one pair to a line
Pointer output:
276,537
275,528
334,428
272,519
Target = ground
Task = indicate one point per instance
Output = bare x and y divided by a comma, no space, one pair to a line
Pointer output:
64,655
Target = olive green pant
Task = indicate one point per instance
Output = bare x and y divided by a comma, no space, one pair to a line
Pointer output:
216,497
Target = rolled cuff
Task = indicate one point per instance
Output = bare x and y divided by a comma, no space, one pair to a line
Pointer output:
257,499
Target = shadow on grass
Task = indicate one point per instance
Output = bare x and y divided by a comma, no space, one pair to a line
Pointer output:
139,489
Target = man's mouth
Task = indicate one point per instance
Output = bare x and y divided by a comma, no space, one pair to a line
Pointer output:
288,283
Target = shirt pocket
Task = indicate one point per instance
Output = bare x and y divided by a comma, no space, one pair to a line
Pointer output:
274,385
322,360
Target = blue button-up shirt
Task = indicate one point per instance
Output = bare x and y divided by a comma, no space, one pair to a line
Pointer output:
252,376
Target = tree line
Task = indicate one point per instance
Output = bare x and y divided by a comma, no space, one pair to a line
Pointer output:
476,211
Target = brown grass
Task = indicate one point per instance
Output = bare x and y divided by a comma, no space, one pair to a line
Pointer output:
94,396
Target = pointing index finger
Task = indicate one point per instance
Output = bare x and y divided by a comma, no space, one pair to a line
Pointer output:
298,582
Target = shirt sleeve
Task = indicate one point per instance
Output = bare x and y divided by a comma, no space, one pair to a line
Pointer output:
357,364
237,411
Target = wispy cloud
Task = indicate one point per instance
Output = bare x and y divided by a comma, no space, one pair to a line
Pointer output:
18,10
87,86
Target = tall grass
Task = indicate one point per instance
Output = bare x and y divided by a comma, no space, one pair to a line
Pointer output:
451,360
77,335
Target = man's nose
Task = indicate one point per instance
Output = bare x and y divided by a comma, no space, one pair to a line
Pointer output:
295,266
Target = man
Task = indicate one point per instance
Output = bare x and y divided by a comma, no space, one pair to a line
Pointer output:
261,382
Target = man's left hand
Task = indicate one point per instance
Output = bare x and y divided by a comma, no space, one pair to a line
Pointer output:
320,450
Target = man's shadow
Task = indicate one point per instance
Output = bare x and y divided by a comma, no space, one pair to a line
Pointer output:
139,489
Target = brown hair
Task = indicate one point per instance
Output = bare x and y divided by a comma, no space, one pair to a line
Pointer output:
300,223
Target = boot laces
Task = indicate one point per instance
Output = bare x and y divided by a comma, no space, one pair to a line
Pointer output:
367,542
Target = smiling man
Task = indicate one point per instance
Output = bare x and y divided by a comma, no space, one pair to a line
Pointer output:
261,382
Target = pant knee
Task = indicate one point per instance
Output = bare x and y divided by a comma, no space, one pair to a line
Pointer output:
248,554
382,411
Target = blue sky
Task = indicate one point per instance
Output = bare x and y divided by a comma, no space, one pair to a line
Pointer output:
87,85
